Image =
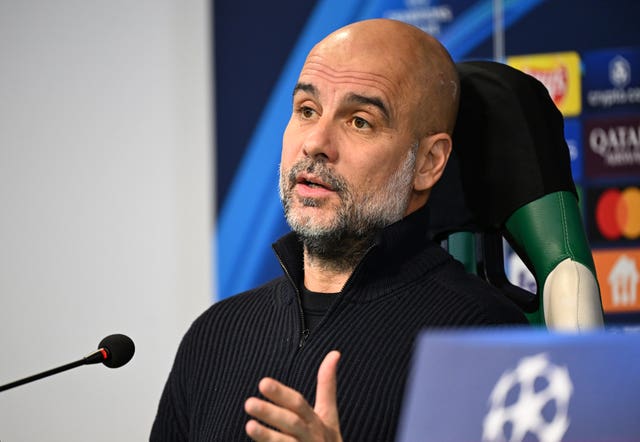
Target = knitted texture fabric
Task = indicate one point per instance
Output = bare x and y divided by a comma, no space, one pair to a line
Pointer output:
403,285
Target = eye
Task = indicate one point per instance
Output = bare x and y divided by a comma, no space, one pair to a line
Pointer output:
360,123
306,112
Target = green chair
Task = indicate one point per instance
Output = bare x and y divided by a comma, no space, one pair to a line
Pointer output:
509,176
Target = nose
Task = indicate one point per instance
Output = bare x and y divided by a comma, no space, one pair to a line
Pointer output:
319,141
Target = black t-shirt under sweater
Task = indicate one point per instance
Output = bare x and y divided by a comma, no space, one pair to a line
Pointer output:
315,305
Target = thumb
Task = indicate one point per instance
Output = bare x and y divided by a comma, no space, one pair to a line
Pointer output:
326,406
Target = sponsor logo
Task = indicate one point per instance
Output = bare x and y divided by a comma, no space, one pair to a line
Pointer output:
573,149
518,273
609,80
560,74
556,80
613,97
618,213
613,147
573,136
619,276
613,215
530,400
619,71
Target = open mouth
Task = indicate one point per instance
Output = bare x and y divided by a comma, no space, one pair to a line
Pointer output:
312,182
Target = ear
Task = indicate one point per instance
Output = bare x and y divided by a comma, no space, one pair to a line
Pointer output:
433,154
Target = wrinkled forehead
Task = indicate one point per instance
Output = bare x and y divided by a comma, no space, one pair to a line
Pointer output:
359,64
366,51
410,66
350,74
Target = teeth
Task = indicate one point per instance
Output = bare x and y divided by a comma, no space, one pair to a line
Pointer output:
312,184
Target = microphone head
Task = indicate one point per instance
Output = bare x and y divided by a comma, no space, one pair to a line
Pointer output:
119,348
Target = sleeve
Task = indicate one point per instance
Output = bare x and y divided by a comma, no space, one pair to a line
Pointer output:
171,423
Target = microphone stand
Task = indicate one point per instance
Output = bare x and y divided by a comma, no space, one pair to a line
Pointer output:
95,357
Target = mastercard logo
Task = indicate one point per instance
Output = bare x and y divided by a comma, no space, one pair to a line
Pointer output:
618,213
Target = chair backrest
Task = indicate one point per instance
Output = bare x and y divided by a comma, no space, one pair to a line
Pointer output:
509,176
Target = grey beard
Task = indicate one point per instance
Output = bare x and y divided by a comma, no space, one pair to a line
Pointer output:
338,251
340,246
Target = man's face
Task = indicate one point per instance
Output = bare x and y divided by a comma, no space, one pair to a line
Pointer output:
348,151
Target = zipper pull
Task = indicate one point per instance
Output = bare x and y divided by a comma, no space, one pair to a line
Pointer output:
303,337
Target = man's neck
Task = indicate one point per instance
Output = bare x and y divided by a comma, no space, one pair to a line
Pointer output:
328,265
324,277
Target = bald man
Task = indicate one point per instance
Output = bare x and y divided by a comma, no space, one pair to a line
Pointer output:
369,136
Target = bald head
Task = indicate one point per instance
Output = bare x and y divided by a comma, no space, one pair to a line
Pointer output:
373,110
415,61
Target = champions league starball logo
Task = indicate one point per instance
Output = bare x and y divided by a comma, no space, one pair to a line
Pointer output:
529,403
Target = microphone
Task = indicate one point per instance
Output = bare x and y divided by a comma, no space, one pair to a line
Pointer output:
113,351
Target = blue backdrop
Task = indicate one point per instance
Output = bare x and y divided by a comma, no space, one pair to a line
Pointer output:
260,47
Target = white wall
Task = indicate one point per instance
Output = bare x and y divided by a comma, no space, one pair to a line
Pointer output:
105,206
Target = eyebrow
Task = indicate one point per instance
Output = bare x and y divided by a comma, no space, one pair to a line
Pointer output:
351,98
305,87
373,101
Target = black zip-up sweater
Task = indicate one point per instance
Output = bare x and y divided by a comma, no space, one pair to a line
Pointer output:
403,284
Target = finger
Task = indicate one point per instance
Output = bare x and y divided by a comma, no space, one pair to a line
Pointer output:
278,417
259,433
326,392
287,398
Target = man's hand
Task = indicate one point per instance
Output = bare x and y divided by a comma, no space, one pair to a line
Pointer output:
291,414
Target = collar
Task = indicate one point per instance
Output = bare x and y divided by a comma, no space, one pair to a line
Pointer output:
386,265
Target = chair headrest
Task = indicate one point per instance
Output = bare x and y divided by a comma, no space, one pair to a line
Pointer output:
508,148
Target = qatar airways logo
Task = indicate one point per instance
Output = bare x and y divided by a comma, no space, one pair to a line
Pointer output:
556,80
618,144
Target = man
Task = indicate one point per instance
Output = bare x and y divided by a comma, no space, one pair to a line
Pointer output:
369,136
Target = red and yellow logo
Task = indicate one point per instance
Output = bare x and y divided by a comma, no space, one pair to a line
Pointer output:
619,277
560,73
617,213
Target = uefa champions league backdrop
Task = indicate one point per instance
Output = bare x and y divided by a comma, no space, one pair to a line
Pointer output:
587,53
